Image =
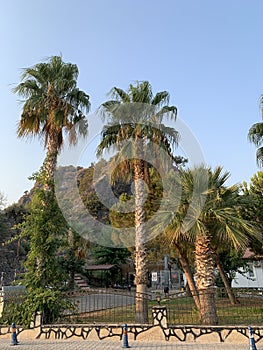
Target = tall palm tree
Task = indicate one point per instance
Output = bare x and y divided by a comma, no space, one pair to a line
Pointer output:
137,116
255,135
52,106
219,220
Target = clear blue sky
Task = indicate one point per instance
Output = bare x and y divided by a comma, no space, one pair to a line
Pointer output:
207,54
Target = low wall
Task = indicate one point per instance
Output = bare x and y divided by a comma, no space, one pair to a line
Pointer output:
158,331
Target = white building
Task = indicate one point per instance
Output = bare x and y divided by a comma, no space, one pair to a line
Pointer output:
253,276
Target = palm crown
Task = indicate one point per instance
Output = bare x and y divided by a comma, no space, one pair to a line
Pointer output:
137,114
53,102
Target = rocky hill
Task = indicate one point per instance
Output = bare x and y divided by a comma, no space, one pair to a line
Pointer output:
12,255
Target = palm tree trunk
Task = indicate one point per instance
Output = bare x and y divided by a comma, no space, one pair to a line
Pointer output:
188,275
205,279
50,162
229,291
141,276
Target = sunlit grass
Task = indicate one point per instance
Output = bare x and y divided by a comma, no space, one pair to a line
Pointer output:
181,311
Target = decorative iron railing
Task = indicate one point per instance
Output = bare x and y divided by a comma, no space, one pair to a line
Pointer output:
109,306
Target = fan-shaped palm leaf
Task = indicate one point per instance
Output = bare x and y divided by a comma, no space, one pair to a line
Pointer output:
53,105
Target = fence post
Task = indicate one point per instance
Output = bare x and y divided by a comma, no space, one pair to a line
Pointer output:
159,314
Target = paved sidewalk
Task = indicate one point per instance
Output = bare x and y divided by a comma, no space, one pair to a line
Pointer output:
113,345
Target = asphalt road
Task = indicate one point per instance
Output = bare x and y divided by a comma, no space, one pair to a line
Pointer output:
94,302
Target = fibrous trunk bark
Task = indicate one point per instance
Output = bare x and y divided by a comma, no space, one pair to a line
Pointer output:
141,276
50,162
205,279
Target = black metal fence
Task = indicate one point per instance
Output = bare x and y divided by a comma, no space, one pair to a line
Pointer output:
100,306
247,309
107,306
118,306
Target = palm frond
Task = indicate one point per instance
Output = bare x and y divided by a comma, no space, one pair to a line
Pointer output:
78,99
169,111
141,92
109,138
161,98
120,95
108,109
219,214
255,134
79,126
39,73
28,88
259,157
53,102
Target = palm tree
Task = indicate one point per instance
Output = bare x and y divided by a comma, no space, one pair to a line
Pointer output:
52,106
135,117
255,135
218,221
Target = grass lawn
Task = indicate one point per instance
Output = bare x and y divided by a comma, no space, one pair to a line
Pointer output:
181,311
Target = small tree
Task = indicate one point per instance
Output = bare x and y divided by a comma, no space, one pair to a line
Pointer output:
219,220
